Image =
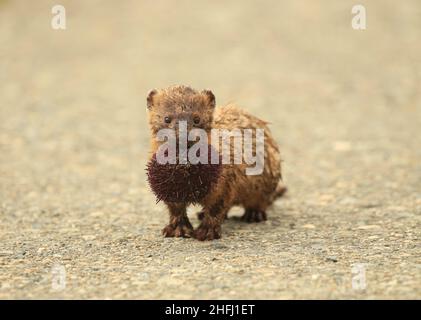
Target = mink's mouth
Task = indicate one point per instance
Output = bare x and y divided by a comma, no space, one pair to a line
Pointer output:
182,182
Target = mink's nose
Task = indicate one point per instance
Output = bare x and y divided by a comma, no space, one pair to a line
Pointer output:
183,125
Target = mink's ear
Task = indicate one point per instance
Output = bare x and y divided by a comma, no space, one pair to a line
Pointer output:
210,97
149,99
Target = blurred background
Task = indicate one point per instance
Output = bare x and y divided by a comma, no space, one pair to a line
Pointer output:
344,105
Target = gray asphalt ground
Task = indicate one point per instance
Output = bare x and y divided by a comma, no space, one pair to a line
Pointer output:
77,217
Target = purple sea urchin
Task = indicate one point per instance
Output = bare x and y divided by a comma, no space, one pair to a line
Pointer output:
187,183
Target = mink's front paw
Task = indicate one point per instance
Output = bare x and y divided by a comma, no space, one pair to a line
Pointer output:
207,232
182,229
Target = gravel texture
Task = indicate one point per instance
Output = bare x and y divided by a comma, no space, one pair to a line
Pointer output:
345,106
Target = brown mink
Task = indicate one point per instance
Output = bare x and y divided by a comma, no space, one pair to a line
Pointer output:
233,186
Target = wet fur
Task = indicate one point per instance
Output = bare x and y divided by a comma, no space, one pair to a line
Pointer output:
254,193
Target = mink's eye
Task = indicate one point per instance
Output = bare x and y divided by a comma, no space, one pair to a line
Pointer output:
167,119
196,120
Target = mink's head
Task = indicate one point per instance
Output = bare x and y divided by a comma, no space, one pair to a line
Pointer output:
179,108
180,103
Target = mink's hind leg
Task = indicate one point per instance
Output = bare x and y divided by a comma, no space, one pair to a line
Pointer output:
254,215
255,210
179,225
255,206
